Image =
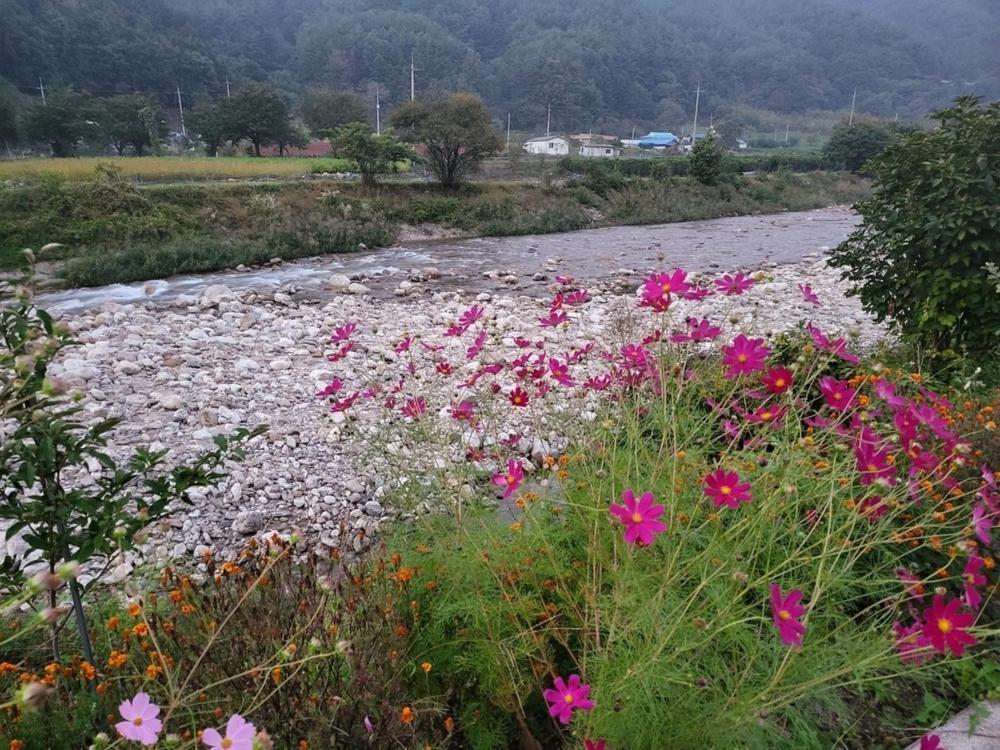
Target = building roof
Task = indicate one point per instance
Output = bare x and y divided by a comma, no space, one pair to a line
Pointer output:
658,139
543,138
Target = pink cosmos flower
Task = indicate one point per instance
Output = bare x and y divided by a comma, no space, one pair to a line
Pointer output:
554,319
873,508
944,626
873,464
768,414
658,288
911,644
981,524
837,393
463,411
640,518
414,407
595,744
404,345
725,488
560,373
777,379
341,352
734,285
698,330
930,742
466,320
566,696
914,585
369,727
578,297
887,392
140,723
342,333
477,345
239,735
564,280
598,382
808,294
331,388
786,612
744,356
973,578
518,397
837,348
510,481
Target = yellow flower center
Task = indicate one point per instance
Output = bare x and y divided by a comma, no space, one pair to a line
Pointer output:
137,721
742,358
779,383
636,518
766,416
970,578
725,490
872,467
511,479
568,697
837,396
944,625
784,614
227,742
665,287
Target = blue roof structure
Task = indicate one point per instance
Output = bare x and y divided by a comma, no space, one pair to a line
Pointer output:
654,140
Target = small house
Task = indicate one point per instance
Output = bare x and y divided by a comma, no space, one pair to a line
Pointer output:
600,150
554,145
658,140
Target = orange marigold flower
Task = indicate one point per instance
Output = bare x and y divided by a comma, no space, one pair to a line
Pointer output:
175,596
152,670
87,670
303,744
406,715
449,725
426,666
112,623
276,675
134,609
6,668
117,659
141,629
187,609
16,744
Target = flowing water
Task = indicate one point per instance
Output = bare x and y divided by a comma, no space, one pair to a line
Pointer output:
590,254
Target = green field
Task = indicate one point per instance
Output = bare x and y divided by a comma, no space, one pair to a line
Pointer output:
167,168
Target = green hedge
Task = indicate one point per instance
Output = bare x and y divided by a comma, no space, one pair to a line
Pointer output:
660,167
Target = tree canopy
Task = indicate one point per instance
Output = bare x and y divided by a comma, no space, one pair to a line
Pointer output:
599,65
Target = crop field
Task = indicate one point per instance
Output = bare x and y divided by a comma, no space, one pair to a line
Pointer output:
166,168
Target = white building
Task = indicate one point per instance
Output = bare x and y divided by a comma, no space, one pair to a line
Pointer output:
600,150
554,145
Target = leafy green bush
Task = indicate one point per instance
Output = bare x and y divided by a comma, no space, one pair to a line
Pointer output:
929,231
852,146
706,161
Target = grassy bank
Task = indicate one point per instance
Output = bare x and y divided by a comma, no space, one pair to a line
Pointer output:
115,230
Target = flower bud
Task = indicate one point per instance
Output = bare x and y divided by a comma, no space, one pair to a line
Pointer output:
68,570
344,648
101,741
52,615
32,696
262,741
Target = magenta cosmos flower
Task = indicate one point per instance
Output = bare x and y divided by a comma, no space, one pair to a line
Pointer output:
733,285
140,723
744,356
565,696
944,626
725,488
930,742
640,518
777,380
808,294
786,611
973,580
656,290
510,481
837,393
239,735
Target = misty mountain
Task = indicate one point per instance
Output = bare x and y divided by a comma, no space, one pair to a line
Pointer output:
598,64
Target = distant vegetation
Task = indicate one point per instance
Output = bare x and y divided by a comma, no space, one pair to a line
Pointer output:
166,168
600,66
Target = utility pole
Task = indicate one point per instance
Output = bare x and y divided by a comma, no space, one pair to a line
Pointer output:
697,101
508,134
413,85
378,112
853,100
180,107
227,88
548,121
787,128
41,87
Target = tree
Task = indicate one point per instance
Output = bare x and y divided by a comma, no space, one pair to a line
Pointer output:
292,137
851,146
63,121
324,110
457,133
259,114
372,154
706,160
214,125
930,230
132,120
8,117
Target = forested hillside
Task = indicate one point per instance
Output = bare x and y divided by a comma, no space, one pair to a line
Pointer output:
599,64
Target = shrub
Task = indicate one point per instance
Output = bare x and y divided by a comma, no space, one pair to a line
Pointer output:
706,161
930,229
852,146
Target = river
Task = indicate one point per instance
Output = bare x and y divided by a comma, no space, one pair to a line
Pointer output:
590,254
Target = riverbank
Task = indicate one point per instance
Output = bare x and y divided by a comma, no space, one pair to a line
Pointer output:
115,231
